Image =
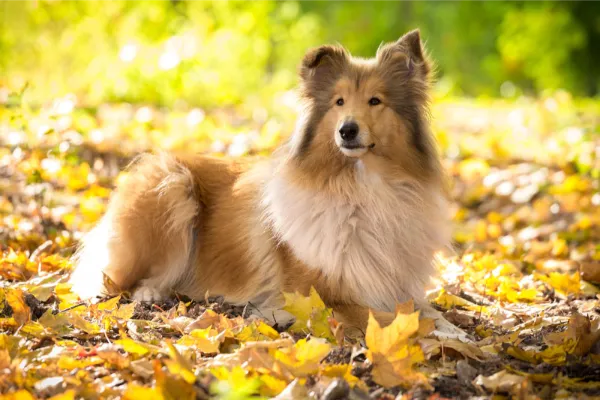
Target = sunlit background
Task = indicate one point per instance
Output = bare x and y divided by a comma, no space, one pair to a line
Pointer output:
225,71
220,53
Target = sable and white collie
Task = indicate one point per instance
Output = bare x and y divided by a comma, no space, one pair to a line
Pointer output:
353,205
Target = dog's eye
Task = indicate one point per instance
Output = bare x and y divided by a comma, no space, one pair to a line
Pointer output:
373,101
340,102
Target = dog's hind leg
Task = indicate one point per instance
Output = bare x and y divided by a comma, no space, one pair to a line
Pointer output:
145,240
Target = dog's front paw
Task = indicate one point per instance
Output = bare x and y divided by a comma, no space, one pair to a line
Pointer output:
147,293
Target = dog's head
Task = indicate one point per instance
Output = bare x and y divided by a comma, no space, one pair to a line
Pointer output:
370,110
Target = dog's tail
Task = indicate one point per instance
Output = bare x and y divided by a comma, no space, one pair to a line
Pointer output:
146,239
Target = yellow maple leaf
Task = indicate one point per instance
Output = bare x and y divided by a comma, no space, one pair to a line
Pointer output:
393,353
68,395
18,395
449,301
341,371
304,357
555,355
136,392
110,304
67,298
20,309
134,347
179,365
256,331
125,311
172,386
312,316
234,383
385,340
271,386
68,362
206,340
564,284
579,337
82,324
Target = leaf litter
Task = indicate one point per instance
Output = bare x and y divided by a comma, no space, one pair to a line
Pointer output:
523,282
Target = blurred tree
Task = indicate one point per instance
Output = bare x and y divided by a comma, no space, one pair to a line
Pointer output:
207,53
214,53
537,44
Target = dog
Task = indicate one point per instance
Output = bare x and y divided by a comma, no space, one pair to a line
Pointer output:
353,204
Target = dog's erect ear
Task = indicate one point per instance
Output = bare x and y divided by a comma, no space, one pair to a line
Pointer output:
412,43
410,48
323,61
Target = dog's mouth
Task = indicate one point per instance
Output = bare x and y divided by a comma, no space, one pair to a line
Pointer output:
355,149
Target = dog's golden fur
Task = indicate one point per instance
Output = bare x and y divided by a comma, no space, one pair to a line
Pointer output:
360,225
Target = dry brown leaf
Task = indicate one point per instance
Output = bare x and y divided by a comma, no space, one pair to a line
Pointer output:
579,337
208,319
590,271
500,382
433,347
406,307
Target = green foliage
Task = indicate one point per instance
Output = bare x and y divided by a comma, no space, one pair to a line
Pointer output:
207,53
214,53
549,36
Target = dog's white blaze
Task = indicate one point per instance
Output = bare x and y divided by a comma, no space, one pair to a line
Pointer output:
379,239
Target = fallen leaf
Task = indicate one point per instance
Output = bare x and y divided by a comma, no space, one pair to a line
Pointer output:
449,301
311,314
500,382
205,340
579,337
179,365
433,347
590,271
109,305
18,395
68,395
391,352
136,392
125,311
20,310
564,284
135,347
172,387
234,384
304,357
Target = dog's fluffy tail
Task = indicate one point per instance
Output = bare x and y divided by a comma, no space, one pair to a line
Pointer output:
145,241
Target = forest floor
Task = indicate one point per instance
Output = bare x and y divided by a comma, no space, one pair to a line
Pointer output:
524,283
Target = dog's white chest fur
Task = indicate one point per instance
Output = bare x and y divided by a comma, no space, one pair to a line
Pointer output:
378,240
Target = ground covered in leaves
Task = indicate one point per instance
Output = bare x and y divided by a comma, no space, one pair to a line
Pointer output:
523,283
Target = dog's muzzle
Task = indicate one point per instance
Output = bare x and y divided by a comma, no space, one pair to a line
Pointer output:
350,142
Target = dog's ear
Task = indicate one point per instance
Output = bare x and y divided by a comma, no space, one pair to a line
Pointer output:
407,50
323,62
411,43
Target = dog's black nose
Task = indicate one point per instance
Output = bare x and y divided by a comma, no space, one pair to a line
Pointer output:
349,131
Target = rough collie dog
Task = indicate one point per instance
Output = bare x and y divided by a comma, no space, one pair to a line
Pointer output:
353,205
